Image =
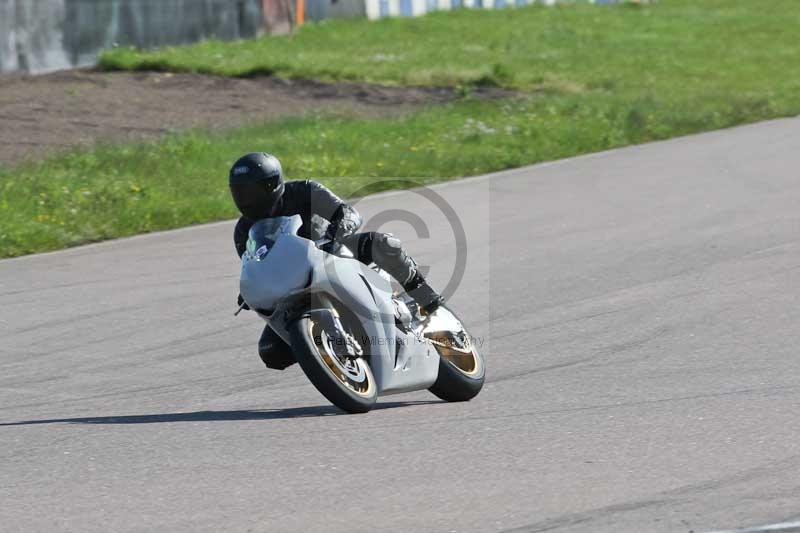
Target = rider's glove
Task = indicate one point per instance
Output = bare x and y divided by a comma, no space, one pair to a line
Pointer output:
341,229
241,303
331,247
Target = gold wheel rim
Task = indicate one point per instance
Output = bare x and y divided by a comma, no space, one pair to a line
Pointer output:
452,341
466,361
352,373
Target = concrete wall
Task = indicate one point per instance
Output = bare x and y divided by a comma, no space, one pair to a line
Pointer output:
41,35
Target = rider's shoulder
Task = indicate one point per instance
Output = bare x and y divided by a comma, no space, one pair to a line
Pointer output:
303,184
243,224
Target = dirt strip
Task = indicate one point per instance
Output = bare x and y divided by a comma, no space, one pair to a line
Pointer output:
54,111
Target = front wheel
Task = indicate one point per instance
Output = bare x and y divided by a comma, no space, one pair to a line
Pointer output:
345,381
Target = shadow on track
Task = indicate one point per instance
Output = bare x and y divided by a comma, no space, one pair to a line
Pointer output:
216,416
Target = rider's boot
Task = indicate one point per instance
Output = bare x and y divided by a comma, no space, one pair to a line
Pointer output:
428,299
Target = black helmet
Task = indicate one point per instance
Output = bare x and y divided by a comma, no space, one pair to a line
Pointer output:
256,182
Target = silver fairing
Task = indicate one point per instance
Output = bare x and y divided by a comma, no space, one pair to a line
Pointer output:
285,268
279,266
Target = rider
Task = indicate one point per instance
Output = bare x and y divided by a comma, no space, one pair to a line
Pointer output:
259,191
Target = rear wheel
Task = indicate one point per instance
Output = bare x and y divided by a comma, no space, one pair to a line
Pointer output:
347,382
461,368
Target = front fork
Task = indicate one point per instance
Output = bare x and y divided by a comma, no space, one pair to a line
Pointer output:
353,348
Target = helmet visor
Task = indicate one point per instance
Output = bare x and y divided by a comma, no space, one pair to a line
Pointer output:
256,200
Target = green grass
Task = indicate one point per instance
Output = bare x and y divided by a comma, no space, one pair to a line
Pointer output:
117,190
672,45
599,77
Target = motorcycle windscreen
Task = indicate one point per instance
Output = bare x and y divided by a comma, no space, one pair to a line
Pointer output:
260,241
263,234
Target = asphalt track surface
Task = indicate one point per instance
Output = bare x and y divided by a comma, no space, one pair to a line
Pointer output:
639,313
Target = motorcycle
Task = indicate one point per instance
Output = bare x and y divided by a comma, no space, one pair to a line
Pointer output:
352,334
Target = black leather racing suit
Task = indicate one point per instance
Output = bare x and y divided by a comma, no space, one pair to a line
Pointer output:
324,213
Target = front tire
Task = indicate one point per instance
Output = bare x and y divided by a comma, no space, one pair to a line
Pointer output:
346,383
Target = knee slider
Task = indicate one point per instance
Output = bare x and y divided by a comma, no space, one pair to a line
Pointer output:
388,244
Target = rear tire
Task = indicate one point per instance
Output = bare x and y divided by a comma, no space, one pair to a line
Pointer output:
453,385
349,385
461,371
